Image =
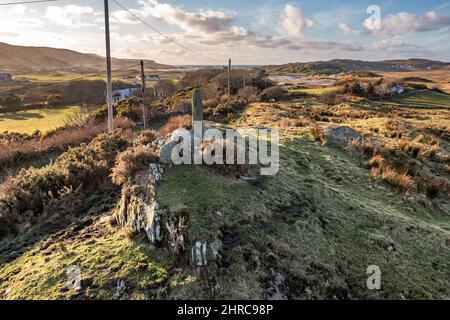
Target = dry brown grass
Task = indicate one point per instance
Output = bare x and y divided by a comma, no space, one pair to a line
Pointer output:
292,123
377,161
317,132
400,180
433,187
174,123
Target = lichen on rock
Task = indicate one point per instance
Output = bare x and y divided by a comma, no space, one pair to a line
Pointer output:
138,209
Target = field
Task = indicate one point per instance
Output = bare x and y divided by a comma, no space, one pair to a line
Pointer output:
315,91
440,78
32,120
423,99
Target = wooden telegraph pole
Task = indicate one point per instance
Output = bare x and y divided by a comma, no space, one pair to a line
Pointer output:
229,79
144,108
108,71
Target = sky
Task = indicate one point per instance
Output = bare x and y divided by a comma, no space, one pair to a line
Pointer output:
247,31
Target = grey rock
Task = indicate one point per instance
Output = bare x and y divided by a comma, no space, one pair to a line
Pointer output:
341,135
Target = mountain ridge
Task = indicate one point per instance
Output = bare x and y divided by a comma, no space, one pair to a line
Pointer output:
14,58
336,66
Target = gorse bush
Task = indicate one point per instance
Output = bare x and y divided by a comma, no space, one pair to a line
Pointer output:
55,141
25,196
175,123
145,137
129,108
273,93
130,162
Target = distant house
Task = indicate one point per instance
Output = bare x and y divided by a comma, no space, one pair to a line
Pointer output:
122,94
5,77
398,89
150,77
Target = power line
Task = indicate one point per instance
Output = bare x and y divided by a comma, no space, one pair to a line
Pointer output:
59,82
163,34
25,2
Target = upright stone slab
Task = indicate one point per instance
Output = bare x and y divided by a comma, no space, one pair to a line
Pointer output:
197,106
197,125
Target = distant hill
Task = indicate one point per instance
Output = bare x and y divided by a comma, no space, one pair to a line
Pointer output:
21,59
345,65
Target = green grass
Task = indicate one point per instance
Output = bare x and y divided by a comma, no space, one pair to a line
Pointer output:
41,273
32,120
321,221
422,99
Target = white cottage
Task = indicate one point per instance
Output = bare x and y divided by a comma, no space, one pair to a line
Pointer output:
119,95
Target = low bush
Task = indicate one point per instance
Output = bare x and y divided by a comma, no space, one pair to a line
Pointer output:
129,108
330,98
250,94
145,137
275,93
25,196
56,141
130,162
174,123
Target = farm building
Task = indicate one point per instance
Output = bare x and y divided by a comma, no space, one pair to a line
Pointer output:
398,89
5,77
122,94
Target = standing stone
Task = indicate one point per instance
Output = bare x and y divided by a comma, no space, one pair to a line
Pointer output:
197,125
197,106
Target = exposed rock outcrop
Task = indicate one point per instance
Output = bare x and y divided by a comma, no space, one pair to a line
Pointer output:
138,209
341,135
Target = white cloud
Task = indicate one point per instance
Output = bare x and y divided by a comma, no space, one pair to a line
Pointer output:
347,30
123,17
204,21
293,22
404,23
70,16
18,9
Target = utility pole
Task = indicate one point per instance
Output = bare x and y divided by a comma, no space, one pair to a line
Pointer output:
144,108
229,79
108,71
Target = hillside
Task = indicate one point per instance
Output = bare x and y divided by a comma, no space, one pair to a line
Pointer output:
20,58
336,66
